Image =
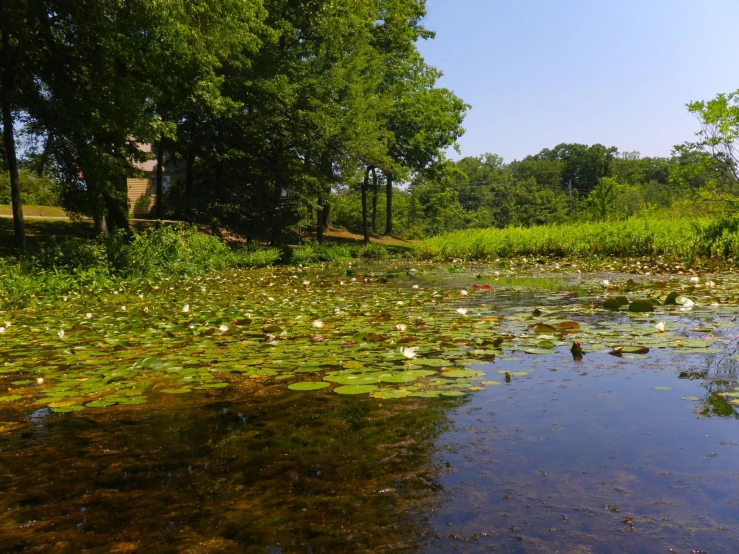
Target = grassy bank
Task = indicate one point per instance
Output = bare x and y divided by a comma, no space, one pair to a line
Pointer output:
60,265
677,238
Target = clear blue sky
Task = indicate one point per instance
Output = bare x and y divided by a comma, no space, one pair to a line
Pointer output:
541,72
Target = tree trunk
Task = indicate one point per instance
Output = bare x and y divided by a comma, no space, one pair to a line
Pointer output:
319,219
389,206
365,185
277,218
117,212
101,226
160,191
326,215
9,146
189,178
375,192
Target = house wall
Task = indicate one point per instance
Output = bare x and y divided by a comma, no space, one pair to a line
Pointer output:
141,188
137,189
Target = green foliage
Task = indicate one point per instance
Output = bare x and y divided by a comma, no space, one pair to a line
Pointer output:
719,133
684,238
36,189
374,251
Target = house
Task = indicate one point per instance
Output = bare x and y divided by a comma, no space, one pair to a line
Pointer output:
142,198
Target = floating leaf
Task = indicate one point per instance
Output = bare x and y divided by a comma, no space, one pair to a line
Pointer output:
355,389
309,385
10,398
663,388
641,306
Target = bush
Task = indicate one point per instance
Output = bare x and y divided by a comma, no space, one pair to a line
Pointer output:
373,251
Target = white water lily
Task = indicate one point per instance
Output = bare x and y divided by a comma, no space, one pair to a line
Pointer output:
88,315
408,352
399,302
61,334
146,309
400,327
606,282
2,329
694,279
40,380
710,284
123,308
414,287
660,326
306,283
463,292
270,299
185,308
462,311
223,328
317,324
7,324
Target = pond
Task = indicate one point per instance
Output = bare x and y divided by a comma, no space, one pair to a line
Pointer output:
397,407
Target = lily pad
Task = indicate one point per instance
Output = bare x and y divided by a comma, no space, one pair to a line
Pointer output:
309,385
355,389
641,306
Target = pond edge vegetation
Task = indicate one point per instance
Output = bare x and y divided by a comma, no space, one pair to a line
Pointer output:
60,266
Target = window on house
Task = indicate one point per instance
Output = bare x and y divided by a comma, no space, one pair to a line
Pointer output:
166,184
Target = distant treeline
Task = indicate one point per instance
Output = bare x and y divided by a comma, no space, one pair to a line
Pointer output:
570,182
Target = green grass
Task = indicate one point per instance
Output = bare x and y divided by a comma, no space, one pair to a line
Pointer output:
678,238
31,210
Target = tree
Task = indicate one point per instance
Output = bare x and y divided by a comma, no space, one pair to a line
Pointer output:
719,133
15,78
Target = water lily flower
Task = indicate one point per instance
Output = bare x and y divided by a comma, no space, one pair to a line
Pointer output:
606,282
694,279
7,324
306,283
400,327
270,299
40,380
710,284
660,326
123,308
414,287
463,292
223,328
462,311
88,315
146,309
399,302
2,329
317,324
408,352
185,308
497,273
61,334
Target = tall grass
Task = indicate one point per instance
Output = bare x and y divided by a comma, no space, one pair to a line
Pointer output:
679,238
